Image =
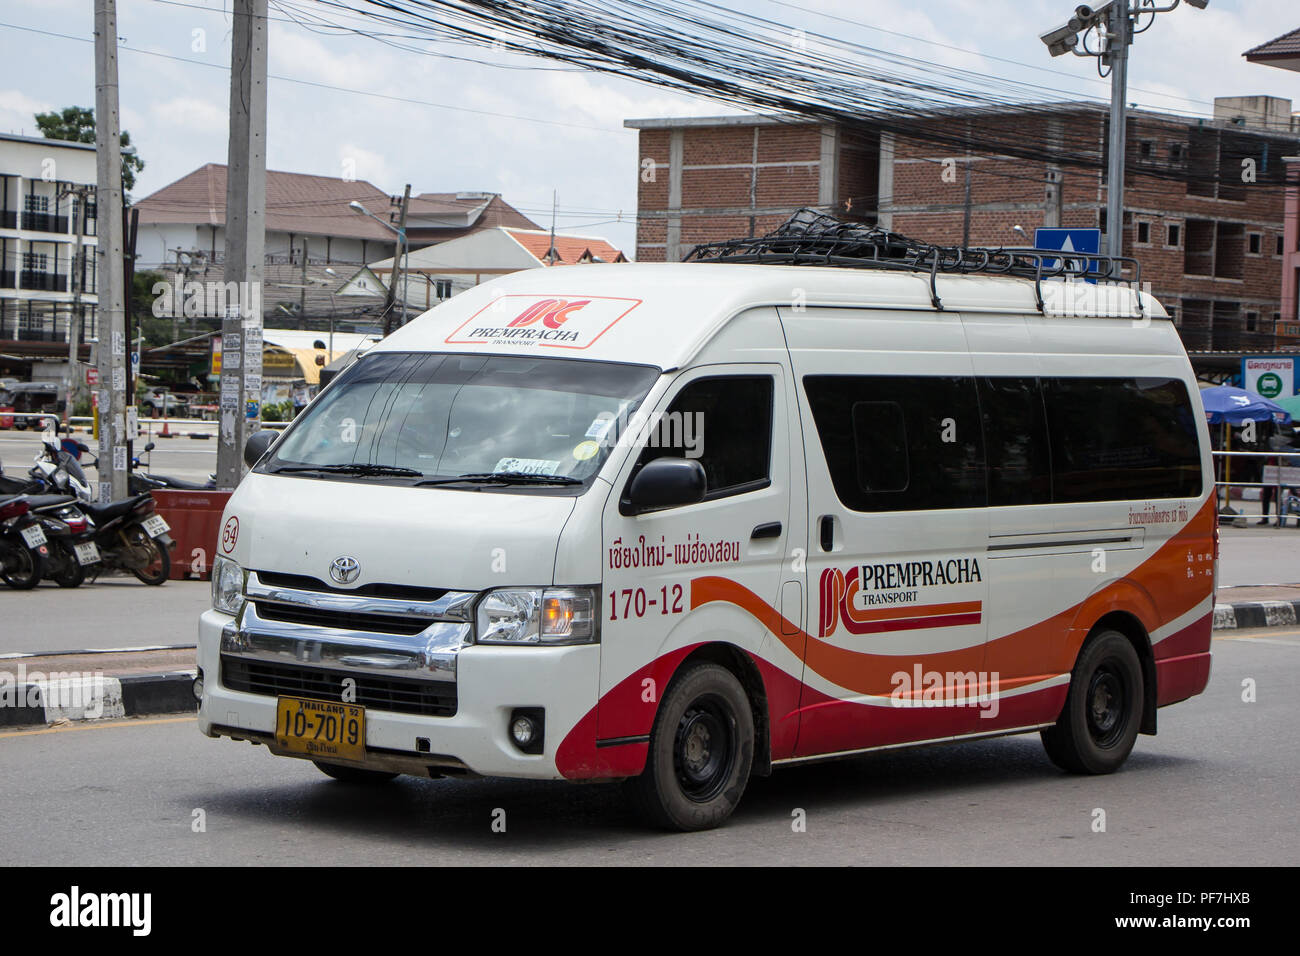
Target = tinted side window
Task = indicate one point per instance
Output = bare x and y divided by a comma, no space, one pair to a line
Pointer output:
726,423
1015,441
1116,439
896,443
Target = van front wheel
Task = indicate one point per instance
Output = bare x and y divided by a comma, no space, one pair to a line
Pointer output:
1103,710
701,751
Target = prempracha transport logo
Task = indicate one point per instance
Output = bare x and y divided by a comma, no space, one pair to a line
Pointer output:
535,321
897,596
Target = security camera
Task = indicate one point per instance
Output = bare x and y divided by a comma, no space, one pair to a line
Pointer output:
1198,4
1084,12
1061,40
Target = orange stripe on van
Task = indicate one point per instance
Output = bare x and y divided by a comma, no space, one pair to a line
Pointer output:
1156,592
918,611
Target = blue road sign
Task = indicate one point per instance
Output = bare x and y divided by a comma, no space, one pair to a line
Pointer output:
1068,240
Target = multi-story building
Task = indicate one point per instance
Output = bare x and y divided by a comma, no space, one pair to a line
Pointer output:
47,216
1204,204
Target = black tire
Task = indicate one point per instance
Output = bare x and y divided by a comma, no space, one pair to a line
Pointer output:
1103,710
29,567
701,751
160,568
73,574
354,774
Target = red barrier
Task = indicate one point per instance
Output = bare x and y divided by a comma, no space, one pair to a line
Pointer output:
6,416
195,519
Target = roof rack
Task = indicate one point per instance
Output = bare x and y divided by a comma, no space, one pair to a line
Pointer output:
812,238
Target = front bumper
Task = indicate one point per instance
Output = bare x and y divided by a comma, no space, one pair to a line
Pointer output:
491,681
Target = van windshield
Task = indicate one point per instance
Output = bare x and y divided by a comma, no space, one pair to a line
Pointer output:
403,418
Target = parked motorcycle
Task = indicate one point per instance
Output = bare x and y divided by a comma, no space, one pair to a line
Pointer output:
131,536
23,545
72,549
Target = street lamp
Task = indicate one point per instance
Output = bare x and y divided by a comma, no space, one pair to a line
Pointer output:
401,238
1116,23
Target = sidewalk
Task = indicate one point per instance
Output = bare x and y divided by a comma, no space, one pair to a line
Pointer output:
1271,605
89,685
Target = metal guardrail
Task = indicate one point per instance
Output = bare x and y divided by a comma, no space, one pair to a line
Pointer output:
1281,499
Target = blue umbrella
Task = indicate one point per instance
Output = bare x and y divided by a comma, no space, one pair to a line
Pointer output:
1225,403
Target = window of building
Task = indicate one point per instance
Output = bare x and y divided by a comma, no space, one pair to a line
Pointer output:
1280,248
442,288
895,443
33,202
1143,233
1177,152
1255,243
1174,235
1146,149
1277,317
726,422
34,261
1252,321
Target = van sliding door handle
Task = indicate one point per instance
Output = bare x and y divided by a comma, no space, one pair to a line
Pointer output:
827,532
770,530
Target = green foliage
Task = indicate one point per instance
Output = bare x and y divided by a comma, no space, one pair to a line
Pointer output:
77,124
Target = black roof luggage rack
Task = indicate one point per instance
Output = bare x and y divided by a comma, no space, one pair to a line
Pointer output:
812,238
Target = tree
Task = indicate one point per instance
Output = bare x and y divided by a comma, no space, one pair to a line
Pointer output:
77,124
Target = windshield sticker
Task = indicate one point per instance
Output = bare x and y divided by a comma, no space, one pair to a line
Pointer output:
526,466
535,321
585,450
602,424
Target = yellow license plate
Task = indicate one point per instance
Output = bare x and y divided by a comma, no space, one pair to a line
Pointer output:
321,729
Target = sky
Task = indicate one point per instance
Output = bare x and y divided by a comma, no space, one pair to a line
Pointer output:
528,128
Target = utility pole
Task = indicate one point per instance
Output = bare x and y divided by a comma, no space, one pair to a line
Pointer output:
1120,36
78,281
302,293
110,258
398,264
241,326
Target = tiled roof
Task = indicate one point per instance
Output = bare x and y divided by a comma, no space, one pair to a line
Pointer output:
1288,44
570,249
295,202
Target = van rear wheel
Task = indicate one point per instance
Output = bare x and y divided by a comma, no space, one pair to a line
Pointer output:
1103,710
701,751
353,774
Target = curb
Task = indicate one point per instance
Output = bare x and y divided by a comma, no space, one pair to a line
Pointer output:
1230,617
95,697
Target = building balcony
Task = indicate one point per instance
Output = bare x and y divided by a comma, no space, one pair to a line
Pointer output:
43,282
44,222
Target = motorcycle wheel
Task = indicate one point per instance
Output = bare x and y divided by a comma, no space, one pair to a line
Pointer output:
72,574
159,567
30,565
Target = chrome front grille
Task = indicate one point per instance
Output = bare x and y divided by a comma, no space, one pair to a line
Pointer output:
353,633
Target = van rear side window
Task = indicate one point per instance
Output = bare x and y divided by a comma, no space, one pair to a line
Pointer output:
922,443
1121,438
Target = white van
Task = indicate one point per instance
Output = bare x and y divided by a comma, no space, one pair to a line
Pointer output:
679,524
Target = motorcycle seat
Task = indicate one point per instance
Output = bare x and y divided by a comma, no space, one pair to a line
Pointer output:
37,502
113,509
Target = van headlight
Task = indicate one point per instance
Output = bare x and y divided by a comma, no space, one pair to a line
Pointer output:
227,586
538,616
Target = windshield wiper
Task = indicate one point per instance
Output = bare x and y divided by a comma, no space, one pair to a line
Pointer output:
353,468
504,478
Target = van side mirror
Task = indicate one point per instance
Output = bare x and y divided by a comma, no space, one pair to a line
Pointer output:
665,483
148,447
257,444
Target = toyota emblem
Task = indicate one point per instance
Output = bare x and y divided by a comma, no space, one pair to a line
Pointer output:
344,569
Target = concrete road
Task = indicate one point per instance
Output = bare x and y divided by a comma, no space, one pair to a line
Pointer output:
1217,786
187,458
115,611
